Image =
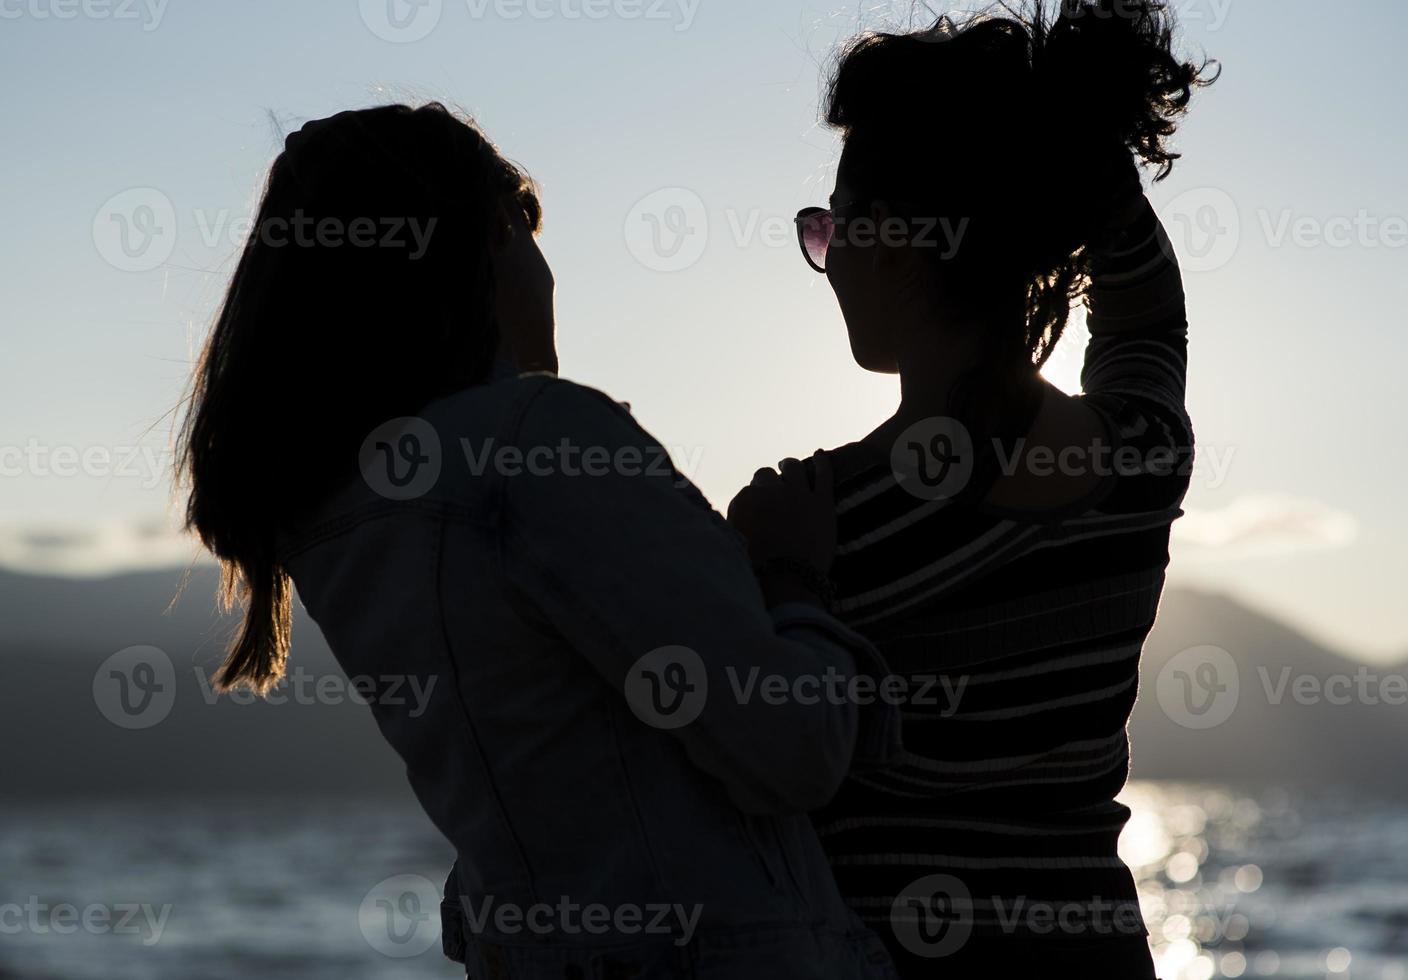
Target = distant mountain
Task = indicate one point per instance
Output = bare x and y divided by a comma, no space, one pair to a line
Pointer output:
1297,713
55,634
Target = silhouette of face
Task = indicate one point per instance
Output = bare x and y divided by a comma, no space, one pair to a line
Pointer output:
524,286
868,277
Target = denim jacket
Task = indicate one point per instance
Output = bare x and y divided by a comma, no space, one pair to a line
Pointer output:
613,739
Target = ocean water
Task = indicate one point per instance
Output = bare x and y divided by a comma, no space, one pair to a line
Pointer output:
1270,884
1233,884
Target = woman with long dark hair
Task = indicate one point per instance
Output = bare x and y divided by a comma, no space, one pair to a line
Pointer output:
376,419
1002,543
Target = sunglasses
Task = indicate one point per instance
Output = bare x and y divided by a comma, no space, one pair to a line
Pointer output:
815,227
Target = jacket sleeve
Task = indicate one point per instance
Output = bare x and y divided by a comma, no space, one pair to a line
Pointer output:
649,584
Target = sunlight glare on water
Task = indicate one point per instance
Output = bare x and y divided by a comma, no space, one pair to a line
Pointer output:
1232,885
1236,886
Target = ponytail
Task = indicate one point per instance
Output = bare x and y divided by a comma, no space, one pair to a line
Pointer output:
1021,125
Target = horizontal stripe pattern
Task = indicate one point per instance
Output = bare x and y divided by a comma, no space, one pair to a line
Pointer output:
1027,636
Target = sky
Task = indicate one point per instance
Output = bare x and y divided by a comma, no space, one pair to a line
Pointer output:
674,140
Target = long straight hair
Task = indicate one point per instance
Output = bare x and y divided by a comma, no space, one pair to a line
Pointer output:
364,291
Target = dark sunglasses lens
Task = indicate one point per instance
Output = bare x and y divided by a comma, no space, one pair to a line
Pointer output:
816,238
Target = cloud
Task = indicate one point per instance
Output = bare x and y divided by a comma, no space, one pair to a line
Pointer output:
1251,526
1261,525
95,550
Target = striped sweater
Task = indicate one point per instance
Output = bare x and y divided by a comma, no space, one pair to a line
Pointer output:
1020,639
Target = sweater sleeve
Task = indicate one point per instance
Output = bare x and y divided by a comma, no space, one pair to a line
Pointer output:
1136,364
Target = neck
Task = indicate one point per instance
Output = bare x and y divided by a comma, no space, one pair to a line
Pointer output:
933,359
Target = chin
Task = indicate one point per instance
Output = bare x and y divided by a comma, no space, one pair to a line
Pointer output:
872,359
871,347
